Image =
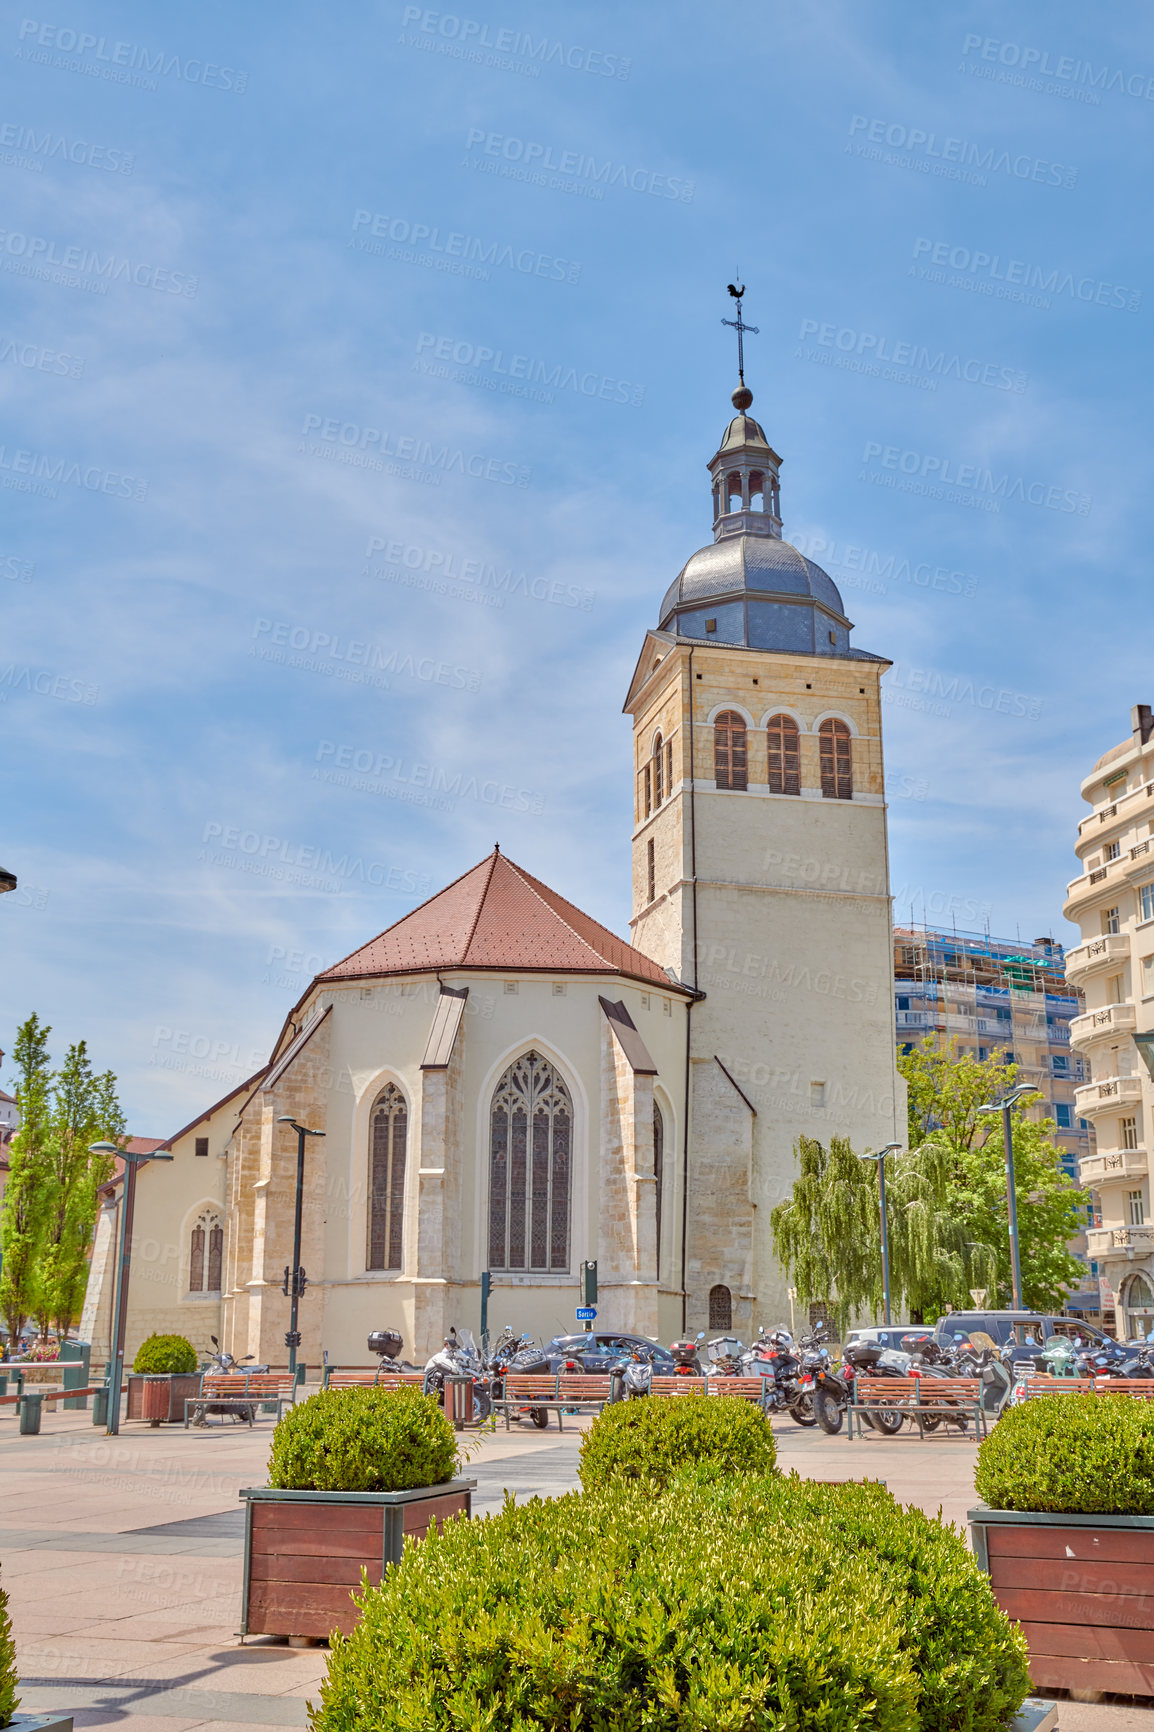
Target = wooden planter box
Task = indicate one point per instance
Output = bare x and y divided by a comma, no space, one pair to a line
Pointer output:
304,1550
182,1387
1082,1588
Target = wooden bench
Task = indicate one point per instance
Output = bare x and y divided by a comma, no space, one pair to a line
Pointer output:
1058,1386
679,1386
519,1391
918,1397
245,1391
365,1377
744,1388
581,1394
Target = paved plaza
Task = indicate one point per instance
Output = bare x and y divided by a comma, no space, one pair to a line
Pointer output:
122,1560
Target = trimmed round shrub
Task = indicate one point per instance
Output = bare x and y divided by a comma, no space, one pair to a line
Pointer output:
735,1603
164,1353
9,1700
1071,1454
363,1440
650,1441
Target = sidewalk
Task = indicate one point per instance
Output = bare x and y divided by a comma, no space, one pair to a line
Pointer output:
122,1561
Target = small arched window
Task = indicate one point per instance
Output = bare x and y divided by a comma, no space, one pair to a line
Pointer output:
757,491
530,1155
658,1171
729,751
733,491
720,1308
784,756
387,1149
836,760
658,772
206,1254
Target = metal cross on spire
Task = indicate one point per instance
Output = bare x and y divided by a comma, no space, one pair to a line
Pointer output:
740,326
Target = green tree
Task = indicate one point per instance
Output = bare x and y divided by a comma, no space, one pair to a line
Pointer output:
827,1231
84,1110
50,1204
23,1218
945,1092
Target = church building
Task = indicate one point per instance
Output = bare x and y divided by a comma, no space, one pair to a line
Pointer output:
502,1085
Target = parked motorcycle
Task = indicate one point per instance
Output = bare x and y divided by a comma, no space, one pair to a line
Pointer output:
458,1357
218,1362
827,1393
724,1356
686,1356
631,1377
520,1355
929,1361
777,1358
386,1343
871,1359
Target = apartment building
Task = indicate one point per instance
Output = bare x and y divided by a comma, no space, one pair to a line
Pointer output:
1112,902
992,995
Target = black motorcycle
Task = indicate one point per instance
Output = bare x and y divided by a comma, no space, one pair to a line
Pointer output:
777,1357
386,1344
520,1355
871,1359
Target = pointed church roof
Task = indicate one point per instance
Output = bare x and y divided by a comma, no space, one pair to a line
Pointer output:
498,917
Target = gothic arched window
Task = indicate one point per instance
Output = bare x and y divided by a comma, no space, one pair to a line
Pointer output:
720,1308
729,751
387,1146
836,760
784,756
530,1164
206,1254
658,1171
658,772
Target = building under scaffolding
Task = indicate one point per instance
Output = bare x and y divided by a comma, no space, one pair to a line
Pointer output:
993,995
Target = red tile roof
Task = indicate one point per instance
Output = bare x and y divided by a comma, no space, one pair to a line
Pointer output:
498,917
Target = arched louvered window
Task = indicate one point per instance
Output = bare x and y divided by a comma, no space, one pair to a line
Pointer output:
658,1171
387,1148
836,760
658,772
784,756
730,756
530,1165
206,1254
720,1308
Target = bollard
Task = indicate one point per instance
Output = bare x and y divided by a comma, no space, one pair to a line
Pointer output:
100,1407
76,1358
30,1406
3,1383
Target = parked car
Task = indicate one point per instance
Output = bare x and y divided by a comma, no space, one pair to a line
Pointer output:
1029,1332
597,1351
889,1335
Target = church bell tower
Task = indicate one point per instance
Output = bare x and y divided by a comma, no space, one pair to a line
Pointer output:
761,877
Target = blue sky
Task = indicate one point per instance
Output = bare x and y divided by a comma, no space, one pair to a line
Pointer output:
349,443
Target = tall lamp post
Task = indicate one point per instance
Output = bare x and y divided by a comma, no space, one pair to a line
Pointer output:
295,1279
880,1158
1006,1107
123,1262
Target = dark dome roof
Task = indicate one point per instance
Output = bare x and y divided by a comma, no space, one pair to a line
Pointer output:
739,564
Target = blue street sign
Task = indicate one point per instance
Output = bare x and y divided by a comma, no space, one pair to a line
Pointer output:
586,1313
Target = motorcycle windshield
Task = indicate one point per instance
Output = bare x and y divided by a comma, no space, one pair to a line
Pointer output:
465,1337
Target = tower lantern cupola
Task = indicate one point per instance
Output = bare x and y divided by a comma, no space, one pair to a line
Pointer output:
745,471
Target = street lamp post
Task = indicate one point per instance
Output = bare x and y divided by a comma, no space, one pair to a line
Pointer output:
1006,1108
295,1279
123,1263
880,1158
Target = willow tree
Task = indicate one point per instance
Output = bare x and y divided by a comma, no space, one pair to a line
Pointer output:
26,1200
826,1233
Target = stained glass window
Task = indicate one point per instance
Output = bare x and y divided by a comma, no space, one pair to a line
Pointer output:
389,1135
530,1161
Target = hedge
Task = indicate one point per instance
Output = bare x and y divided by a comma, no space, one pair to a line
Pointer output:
163,1353
730,1604
9,1700
363,1440
650,1440
1073,1454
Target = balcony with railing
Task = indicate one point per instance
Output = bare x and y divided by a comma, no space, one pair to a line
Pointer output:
1107,1095
1112,1019
1095,954
1113,1166
1120,1241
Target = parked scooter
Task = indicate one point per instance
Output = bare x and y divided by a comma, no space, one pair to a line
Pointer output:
631,1377
218,1362
458,1357
387,1344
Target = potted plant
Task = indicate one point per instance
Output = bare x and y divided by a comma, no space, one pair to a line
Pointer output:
352,1475
174,1360
1066,1534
